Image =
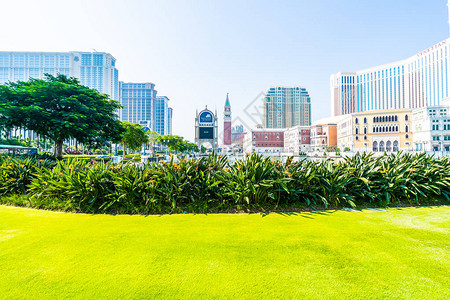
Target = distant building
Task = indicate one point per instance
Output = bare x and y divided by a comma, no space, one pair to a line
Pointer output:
227,123
418,81
376,131
297,139
139,104
431,127
268,141
170,118
286,107
96,70
237,129
323,137
163,116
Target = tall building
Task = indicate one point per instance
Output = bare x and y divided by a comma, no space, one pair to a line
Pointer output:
227,123
170,118
418,81
139,103
162,119
96,70
286,107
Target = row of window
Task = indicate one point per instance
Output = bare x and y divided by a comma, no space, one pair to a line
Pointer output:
388,146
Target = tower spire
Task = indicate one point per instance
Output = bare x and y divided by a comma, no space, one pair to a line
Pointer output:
227,102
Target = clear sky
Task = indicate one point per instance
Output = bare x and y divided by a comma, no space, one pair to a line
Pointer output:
197,51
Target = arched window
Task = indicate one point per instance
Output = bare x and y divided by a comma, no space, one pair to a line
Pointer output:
356,120
407,136
396,128
395,148
356,131
365,130
389,118
396,119
365,137
388,146
374,119
365,120
390,128
406,117
375,147
381,146
406,128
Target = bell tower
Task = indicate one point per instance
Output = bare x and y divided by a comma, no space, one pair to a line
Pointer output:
227,122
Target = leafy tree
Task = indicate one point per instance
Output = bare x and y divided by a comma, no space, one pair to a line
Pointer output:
59,108
133,137
152,139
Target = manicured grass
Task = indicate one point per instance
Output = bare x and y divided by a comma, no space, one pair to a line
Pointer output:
397,253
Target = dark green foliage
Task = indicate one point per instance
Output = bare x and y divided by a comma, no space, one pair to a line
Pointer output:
59,108
212,184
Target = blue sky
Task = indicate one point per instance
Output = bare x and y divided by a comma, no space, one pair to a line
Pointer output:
197,51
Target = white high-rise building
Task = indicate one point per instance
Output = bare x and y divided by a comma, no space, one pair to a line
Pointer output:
96,70
418,81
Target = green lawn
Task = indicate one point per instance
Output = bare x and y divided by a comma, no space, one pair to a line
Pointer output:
398,253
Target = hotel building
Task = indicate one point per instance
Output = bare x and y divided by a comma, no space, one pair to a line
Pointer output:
418,81
286,107
163,116
96,70
139,104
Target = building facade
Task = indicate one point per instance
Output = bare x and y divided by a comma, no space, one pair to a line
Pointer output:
267,141
162,115
297,139
431,126
323,137
376,131
96,70
139,104
286,107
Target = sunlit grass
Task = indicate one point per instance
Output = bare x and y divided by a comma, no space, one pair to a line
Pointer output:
397,253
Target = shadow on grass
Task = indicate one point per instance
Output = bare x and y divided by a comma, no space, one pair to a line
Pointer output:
303,214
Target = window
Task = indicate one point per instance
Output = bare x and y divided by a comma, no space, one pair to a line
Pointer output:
407,136
356,131
406,117
356,120
365,130
406,128
365,137
365,120
375,146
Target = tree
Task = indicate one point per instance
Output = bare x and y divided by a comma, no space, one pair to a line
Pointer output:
59,108
152,139
133,137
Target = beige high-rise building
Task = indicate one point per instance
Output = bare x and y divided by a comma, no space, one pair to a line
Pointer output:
285,107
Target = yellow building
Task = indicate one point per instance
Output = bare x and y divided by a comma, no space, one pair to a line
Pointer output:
376,131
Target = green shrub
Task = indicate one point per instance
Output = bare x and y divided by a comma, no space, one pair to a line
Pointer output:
212,183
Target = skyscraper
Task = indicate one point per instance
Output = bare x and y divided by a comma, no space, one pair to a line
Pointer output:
139,104
418,81
286,107
96,70
163,116
227,123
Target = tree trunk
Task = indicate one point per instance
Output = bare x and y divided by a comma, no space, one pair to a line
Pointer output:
59,148
123,151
